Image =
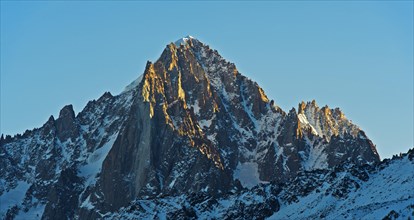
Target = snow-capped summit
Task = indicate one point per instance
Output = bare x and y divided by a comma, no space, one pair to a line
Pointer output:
183,41
190,124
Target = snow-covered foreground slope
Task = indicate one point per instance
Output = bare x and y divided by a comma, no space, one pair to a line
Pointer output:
344,192
388,188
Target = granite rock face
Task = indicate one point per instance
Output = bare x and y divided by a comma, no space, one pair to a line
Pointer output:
192,123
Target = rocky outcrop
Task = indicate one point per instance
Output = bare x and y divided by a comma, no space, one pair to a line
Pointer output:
63,196
66,126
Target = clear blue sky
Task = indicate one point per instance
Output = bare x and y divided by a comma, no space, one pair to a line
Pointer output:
354,55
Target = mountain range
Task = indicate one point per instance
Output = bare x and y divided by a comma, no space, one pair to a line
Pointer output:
194,138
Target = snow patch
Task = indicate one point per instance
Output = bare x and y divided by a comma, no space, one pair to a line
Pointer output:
87,204
183,41
134,84
303,120
13,197
35,212
196,107
248,174
95,160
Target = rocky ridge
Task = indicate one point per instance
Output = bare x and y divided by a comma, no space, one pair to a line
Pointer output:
343,192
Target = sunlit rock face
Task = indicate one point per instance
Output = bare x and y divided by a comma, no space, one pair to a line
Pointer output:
192,123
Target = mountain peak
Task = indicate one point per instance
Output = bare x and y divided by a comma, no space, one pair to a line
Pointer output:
191,125
183,41
67,112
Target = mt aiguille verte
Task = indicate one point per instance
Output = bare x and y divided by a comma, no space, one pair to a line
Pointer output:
194,138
